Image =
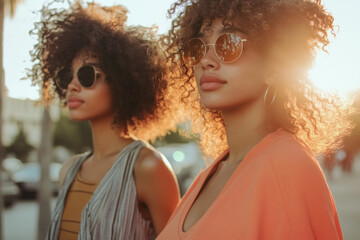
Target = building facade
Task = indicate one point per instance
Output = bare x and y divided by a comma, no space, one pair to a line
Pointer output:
26,114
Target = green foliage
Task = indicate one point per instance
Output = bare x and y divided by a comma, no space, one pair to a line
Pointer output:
180,136
19,147
75,136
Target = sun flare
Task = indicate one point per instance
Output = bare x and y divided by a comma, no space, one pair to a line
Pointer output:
336,72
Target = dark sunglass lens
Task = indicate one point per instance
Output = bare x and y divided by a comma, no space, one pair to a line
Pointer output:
194,52
86,76
64,78
228,47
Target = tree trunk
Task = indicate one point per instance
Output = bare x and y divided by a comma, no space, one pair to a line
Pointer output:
2,91
45,190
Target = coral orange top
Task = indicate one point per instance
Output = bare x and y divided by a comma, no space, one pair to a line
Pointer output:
277,192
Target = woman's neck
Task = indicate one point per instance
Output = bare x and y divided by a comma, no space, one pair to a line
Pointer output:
107,139
244,128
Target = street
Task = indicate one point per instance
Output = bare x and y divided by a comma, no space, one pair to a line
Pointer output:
346,192
21,220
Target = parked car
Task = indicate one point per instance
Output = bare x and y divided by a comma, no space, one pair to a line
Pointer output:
10,191
186,161
12,164
28,178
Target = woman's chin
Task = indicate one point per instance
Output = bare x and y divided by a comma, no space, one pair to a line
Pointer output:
74,117
214,104
213,107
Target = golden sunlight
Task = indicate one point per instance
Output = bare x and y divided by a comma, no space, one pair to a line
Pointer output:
338,70
336,74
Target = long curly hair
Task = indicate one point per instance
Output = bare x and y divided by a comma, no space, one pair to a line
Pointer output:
288,33
130,57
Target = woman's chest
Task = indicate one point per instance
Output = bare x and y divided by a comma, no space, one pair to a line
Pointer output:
209,191
247,206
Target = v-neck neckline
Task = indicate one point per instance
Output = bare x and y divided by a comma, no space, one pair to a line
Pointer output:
190,202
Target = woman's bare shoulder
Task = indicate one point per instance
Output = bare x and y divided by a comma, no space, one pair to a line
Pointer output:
150,160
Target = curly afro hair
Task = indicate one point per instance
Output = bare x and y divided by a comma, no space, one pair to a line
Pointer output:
130,57
287,33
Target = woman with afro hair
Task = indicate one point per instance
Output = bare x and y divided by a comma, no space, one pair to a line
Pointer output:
259,116
112,76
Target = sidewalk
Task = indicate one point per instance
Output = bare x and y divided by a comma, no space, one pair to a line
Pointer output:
346,192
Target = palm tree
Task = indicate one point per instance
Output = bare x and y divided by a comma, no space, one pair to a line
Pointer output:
12,6
46,140
45,158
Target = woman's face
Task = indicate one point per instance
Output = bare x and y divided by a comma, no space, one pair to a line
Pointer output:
223,86
88,103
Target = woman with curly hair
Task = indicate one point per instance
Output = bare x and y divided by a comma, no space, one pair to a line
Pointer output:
112,76
247,62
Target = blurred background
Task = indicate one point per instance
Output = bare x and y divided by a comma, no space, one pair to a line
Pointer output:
32,137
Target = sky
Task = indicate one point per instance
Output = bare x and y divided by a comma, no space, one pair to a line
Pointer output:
337,71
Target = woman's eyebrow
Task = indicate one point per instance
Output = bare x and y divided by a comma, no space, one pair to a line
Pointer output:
199,35
230,28
95,64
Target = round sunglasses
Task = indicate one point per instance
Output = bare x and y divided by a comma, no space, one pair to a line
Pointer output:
85,74
228,48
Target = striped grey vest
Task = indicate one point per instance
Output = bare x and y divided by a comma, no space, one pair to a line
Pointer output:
112,212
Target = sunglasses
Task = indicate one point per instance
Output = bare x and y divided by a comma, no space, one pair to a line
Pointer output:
86,76
228,48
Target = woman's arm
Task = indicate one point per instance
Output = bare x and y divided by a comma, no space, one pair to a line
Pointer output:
156,186
305,195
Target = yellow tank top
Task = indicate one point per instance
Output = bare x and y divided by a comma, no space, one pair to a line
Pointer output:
78,196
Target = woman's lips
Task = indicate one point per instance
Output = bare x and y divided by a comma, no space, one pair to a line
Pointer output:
210,83
74,102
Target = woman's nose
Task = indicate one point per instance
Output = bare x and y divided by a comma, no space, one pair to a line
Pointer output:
74,84
210,60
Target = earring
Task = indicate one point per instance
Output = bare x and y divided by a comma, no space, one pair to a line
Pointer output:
266,94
